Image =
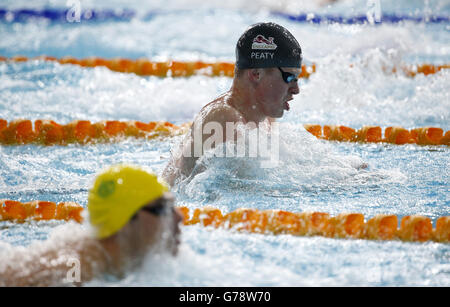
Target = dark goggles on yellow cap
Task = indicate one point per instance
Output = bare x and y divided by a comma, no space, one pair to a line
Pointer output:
287,76
160,207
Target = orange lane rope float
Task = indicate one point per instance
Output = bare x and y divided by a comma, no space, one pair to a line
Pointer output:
39,210
48,132
144,67
345,225
374,134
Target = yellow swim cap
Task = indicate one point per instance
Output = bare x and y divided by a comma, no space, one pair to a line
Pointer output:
118,193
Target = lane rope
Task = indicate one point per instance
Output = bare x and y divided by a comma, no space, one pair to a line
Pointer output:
362,19
144,67
414,228
374,134
69,15
48,132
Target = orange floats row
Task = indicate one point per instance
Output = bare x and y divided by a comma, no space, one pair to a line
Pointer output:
48,132
374,134
39,210
414,228
425,69
144,67
345,225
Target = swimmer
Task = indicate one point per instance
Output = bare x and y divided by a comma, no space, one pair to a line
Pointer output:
131,213
268,62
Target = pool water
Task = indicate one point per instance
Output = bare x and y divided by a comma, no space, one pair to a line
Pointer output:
349,88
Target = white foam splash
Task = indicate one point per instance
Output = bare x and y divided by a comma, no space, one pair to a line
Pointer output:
304,163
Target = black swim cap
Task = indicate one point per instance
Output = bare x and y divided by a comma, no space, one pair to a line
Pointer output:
266,45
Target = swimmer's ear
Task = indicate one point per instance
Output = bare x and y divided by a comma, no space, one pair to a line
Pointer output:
254,74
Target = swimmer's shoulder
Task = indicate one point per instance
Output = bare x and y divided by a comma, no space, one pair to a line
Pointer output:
220,111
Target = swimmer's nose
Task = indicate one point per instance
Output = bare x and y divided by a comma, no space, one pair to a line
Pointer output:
294,89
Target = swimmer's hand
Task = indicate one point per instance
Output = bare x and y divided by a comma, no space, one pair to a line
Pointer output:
356,162
364,165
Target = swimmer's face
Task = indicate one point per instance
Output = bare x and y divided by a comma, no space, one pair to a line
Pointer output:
274,92
158,224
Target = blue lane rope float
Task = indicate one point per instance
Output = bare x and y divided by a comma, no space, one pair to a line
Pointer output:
60,15
361,19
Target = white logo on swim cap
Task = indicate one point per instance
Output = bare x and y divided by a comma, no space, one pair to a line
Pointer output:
260,42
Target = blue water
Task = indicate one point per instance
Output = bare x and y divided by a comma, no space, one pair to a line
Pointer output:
312,175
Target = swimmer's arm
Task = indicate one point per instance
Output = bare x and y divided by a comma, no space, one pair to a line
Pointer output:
174,168
184,163
180,162
194,145
52,268
36,271
169,173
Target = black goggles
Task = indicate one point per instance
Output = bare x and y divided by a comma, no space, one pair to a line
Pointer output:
287,76
161,207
